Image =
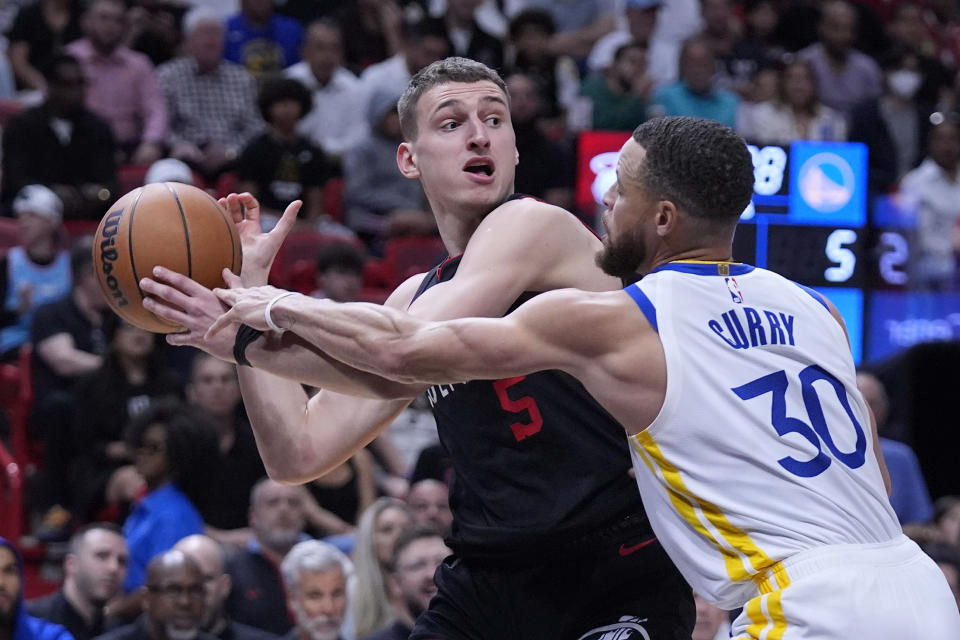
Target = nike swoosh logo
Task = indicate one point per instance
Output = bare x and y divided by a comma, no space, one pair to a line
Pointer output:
625,550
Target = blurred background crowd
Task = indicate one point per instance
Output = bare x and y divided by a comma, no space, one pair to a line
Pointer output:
133,482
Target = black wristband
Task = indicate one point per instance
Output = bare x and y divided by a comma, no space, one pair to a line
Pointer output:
245,335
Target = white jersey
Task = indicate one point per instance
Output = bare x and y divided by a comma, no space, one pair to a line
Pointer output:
763,447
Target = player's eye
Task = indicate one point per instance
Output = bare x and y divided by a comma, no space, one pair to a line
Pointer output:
494,121
449,125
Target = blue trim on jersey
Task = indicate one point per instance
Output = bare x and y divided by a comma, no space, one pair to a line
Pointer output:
644,303
815,295
705,268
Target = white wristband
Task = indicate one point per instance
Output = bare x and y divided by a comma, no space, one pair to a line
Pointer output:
266,312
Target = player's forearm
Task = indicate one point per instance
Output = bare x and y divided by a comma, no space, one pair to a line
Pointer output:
293,358
368,337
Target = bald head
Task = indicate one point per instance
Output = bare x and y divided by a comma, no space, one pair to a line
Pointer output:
175,596
208,555
204,551
169,562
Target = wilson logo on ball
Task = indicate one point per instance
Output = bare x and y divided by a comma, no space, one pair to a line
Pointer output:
109,255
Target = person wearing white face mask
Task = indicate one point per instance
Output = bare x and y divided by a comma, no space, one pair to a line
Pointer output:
893,126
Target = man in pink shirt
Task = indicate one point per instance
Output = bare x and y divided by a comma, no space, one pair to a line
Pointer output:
122,86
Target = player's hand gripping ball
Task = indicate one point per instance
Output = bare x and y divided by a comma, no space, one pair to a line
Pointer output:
171,224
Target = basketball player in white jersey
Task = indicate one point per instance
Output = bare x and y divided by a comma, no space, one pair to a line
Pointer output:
755,454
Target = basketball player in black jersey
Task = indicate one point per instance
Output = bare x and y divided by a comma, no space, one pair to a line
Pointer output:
549,537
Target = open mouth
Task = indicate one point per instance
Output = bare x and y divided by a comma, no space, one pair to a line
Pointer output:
479,166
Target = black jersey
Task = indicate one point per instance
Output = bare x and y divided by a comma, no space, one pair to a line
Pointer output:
537,462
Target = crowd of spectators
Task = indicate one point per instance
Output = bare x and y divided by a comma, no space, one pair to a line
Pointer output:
298,100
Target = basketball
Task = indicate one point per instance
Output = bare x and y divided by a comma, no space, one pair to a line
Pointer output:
171,224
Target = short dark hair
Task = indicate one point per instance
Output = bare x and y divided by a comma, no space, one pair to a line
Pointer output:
407,537
192,443
700,165
536,18
454,69
340,256
633,44
275,90
76,540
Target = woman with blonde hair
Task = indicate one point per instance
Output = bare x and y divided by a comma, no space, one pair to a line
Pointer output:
380,525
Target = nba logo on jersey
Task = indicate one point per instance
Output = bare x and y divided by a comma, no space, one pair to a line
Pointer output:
628,628
734,289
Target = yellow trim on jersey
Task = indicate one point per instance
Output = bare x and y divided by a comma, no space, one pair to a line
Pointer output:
767,621
761,566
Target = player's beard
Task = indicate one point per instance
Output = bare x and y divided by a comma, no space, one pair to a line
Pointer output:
622,258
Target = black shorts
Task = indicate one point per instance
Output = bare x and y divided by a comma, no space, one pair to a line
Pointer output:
625,584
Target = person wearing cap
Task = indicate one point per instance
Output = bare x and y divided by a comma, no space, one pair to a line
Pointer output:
34,272
169,170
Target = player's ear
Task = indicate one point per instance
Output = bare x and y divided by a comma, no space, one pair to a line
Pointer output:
666,218
516,157
407,161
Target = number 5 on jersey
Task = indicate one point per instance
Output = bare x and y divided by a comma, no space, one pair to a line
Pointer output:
522,404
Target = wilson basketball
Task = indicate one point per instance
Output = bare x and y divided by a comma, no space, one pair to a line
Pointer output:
174,225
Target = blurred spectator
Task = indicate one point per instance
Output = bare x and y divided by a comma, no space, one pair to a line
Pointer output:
216,583
932,191
339,272
845,76
712,623
894,127
909,496
797,113
344,492
556,77
416,555
640,18
757,48
429,502
374,189
173,447
213,389
943,32
467,39
620,95
93,569
336,122
580,23
154,28
211,102
261,40
946,516
424,41
37,34
371,32
133,377
280,165
546,168
68,342
172,603
907,32
36,271
277,520
316,576
122,84
801,25
62,145
694,93
721,30
15,622
380,527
